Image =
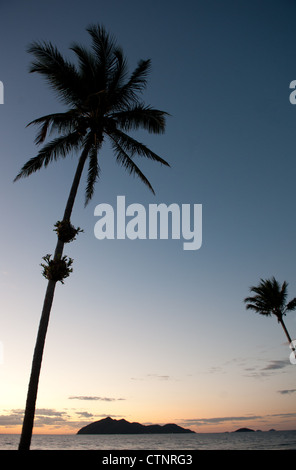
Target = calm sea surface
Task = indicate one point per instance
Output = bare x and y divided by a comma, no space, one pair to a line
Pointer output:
278,440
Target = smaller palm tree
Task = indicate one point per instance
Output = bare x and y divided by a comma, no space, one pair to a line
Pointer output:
271,299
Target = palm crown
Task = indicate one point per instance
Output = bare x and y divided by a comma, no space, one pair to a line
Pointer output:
101,102
271,299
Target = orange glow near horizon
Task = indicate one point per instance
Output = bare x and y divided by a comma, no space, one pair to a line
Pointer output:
227,426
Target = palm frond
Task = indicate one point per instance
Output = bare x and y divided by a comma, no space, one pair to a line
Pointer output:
128,94
123,159
291,305
91,80
60,122
133,147
138,81
61,75
103,45
53,150
118,74
254,303
141,116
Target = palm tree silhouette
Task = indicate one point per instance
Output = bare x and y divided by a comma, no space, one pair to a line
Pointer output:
270,299
102,101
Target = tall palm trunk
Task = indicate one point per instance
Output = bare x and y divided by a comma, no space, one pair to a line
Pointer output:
28,421
288,336
281,321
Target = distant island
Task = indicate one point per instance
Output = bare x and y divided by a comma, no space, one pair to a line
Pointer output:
244,430
121,426
251,430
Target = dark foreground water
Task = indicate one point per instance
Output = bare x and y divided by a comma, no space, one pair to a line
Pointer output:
278,440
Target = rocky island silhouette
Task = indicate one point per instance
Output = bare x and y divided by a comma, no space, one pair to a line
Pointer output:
121,426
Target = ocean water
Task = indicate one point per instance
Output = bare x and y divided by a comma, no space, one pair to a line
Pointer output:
278,440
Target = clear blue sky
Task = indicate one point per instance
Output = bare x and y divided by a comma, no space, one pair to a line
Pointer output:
148,331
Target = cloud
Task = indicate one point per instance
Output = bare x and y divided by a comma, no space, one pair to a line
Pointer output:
84,414
219,420
87,398
273,365
216,370
254,367
43,417
154,377
52,418
14,418
285,417
287,392
159,377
